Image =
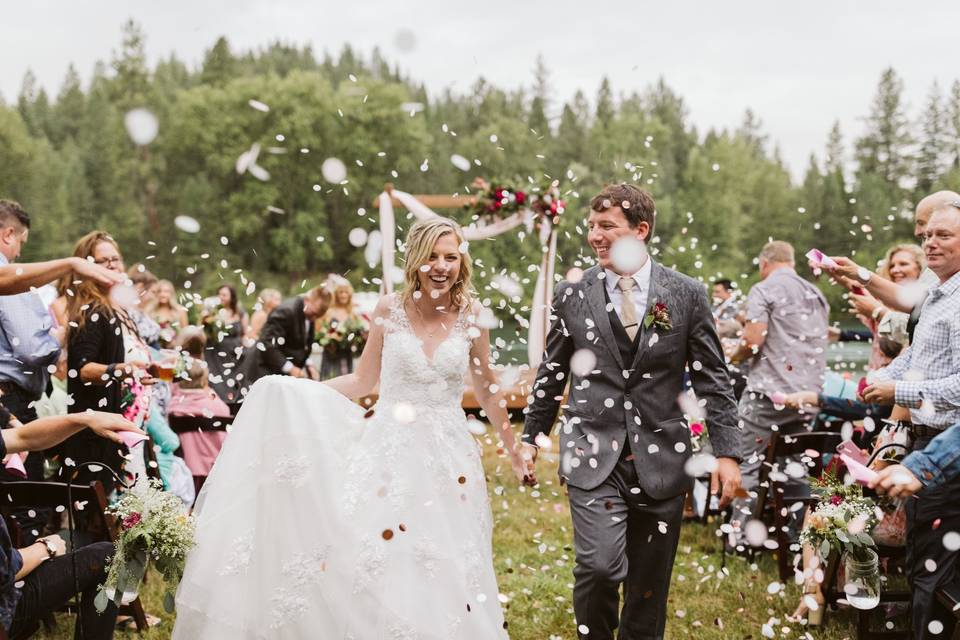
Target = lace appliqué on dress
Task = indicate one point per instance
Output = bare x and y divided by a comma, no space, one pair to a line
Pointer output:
292,471
239,559
370,564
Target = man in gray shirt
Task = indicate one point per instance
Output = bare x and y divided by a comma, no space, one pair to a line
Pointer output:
785,343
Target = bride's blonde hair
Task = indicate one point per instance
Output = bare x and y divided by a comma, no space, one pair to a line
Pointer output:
421,239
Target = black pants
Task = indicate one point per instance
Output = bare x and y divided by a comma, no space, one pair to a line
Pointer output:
623,536
51,585
924,544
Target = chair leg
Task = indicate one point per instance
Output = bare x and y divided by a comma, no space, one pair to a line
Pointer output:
135,609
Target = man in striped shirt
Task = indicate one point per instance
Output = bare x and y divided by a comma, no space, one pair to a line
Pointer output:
926,379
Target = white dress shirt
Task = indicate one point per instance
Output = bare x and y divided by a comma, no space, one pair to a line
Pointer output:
641,290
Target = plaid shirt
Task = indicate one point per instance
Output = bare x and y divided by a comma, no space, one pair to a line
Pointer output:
929,371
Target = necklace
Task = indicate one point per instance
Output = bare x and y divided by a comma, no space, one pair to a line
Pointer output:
423,320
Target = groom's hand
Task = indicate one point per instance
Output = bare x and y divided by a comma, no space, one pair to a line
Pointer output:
529,454
726,479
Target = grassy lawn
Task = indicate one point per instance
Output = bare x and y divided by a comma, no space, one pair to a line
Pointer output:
534,562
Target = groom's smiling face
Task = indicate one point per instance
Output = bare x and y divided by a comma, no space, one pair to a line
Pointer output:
606,227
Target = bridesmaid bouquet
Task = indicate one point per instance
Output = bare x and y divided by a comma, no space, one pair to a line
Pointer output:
153,528
213,325
337,337
842,521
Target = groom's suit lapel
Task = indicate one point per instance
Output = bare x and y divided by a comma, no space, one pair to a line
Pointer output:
658,293
598,306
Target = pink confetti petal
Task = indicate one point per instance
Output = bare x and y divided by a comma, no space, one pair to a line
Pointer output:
132,438
14,464
863,475
817,256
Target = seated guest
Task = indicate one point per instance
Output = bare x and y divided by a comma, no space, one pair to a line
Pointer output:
55,402
39,579
269,299
105,350
287,338
926,379
192,396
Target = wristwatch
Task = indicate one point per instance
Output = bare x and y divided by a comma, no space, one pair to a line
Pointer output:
51,549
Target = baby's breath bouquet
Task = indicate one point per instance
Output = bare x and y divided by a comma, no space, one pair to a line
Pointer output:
842,520
153,527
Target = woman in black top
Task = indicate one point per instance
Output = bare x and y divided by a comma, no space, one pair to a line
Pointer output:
100,373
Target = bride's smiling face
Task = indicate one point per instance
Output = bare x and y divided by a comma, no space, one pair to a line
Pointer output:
442,269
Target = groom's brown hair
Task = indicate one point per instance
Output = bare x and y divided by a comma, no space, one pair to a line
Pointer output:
637,204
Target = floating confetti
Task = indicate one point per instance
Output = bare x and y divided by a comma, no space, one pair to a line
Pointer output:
259,106
142,126
186,224
333,170
357,237
460,162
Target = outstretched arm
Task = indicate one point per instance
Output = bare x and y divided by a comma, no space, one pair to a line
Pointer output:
486,387
890,294
18,278
44,433
365,377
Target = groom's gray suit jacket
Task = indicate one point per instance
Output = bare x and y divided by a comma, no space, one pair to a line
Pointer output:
632,393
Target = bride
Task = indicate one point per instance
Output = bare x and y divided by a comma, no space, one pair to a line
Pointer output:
323,520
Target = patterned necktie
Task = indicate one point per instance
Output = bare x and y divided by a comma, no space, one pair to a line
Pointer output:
628,310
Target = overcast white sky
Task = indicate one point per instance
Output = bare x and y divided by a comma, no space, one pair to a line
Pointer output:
798,66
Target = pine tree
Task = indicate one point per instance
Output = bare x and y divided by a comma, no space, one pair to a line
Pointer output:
605,110
537,119
219,64
933,142
953,124
131,85
71,103
884,150
834,152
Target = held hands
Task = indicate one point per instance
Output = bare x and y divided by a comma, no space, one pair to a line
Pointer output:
528,458
896,481
106,425
726,479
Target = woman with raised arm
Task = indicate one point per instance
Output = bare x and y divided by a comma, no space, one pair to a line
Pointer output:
321,519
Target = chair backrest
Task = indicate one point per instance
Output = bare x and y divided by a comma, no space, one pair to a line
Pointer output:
186,424
28,494
812,445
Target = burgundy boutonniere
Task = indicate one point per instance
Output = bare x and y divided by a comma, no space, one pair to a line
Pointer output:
658,316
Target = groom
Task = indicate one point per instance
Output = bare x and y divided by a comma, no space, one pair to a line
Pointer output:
623,438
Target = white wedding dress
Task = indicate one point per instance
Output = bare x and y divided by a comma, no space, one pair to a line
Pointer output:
320,520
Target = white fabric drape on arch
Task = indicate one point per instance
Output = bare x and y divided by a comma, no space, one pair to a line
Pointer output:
543,290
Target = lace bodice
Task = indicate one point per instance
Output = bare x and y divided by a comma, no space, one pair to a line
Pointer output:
407,375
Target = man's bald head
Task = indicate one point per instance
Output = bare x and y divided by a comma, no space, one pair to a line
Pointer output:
927,206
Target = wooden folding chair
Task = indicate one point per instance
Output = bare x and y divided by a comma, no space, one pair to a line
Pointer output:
22,494
808,448
198,424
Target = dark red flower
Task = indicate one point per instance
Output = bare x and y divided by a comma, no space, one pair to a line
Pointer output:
131,521
497,204
835,500
521,197
696,428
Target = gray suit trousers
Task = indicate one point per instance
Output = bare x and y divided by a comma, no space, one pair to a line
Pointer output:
622,536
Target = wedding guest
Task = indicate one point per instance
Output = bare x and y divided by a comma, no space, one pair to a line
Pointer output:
268,301
926,379
39,579
726,300
226,325
923,469
105,352
343,319
192,396
167,312
55,401
903,265
28,342
890,294
144,282
785,343
287,337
